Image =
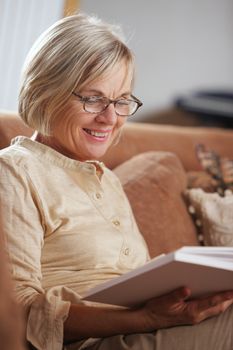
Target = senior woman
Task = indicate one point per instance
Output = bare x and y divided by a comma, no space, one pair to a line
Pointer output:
65,216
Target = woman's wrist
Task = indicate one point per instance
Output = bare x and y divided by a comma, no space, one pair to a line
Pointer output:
97,322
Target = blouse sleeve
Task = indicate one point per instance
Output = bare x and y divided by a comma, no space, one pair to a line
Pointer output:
10,315
22,225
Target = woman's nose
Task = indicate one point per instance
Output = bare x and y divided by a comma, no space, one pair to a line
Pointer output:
108,116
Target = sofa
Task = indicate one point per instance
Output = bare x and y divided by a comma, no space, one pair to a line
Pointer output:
152,162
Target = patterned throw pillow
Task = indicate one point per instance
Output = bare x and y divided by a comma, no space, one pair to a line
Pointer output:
218,168
213,215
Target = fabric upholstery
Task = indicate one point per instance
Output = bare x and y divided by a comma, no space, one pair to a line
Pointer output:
10,126
138,137
141,137
215,215
154,183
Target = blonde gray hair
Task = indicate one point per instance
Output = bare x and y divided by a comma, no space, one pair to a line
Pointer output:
69,55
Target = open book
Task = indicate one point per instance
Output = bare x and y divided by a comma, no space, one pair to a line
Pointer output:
203,269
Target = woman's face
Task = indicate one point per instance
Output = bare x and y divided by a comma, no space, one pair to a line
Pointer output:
84,136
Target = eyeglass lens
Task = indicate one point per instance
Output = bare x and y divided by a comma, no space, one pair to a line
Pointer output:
122,107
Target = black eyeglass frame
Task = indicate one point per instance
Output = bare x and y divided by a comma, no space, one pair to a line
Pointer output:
85,99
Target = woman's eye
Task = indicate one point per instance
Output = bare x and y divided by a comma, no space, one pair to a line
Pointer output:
93,99
123,102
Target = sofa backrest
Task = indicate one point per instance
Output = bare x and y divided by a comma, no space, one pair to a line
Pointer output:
141,137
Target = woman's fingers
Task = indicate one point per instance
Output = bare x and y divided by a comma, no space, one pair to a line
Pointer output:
176,308
210,306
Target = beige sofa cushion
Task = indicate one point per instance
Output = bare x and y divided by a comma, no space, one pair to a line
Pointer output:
154,183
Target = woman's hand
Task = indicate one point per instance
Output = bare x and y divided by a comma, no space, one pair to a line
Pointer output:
169,310
175,308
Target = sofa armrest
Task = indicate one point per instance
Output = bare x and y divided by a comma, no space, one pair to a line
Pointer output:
10,126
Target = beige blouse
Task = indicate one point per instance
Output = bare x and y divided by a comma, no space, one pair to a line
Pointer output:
67,229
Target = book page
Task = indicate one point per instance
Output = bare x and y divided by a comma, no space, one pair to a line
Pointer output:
202,272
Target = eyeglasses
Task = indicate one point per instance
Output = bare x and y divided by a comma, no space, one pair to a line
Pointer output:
97,104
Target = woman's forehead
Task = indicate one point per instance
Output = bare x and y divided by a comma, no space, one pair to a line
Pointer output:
119,78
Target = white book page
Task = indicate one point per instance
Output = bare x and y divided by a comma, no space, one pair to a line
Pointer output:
219,253
203,273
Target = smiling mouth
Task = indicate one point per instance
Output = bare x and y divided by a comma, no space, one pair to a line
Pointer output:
96,133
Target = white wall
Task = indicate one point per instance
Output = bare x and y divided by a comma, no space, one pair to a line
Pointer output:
180,45
21,22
